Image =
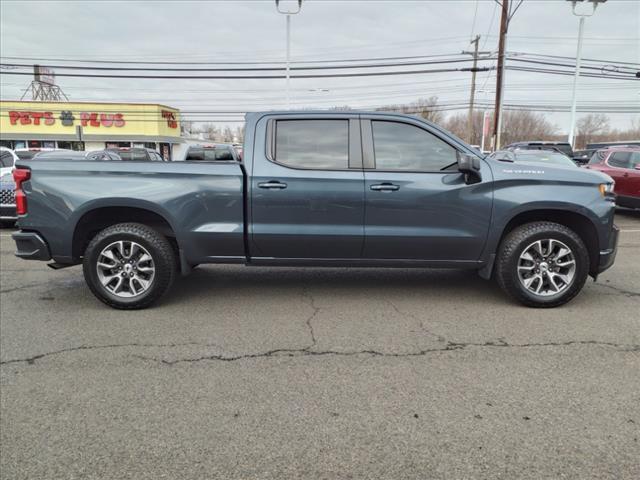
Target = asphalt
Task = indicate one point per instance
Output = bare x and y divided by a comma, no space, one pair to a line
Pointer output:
319,373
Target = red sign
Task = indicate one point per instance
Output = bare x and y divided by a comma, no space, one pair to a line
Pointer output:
171,118
31,118
87,119
93,119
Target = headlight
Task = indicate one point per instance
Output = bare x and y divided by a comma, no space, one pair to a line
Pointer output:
606,189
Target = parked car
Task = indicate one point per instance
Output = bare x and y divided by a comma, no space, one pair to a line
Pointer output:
623,165
7,160
137,154
7,199
29,153
321,189
8,213
212,153
543,157
562,147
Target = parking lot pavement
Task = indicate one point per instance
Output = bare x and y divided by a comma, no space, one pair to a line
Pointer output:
319,373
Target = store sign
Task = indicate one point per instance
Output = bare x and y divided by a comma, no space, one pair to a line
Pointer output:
170,117
67,119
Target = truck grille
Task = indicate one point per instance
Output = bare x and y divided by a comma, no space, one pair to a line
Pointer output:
7,197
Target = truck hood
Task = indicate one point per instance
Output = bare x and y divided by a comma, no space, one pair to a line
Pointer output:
547,172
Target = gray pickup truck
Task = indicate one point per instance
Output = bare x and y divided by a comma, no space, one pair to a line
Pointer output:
321,189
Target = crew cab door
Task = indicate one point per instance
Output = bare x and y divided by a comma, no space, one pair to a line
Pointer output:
307,189
417,204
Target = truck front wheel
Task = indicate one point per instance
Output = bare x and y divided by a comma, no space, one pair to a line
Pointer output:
542,264
129,265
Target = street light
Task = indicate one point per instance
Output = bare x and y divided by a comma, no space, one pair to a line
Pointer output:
288,13
594,5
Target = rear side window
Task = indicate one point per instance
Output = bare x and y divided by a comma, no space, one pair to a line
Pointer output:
6,159
317,144
620,159
400,146
597,157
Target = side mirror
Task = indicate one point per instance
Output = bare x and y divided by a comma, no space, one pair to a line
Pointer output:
637,167
470,166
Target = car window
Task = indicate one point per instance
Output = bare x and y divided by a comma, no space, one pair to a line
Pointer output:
318,144
400,146
635,159
26,154
195,154
155,156
620,159
224,154
6,159
133,155
597,157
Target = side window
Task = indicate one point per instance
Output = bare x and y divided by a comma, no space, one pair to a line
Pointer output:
317,144
6,159
156,157
620,159
635,159
400,146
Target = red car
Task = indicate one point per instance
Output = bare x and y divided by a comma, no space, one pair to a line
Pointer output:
623,165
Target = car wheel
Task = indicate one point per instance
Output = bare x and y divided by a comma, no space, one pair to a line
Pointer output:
129,266
542,264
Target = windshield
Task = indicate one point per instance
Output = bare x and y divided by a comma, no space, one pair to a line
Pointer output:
546,157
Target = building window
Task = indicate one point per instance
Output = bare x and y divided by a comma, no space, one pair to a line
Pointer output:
150,145
118,145
35,144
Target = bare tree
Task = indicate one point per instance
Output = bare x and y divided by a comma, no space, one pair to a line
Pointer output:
591,126
458,125
427,108
519,125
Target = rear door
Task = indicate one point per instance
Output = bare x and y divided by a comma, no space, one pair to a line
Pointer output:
307,189
418,206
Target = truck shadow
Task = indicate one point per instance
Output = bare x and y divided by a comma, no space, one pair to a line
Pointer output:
231,280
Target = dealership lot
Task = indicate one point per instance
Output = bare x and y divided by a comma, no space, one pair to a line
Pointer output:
328,373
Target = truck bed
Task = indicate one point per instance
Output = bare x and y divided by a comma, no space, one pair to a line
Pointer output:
203,203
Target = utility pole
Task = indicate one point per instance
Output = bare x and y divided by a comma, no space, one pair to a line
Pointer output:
574,96
504,25
470,126
288,13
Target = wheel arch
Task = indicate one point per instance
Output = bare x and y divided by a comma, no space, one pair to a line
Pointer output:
579,223
93,220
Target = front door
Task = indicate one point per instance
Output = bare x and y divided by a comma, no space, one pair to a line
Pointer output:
307,190
418,206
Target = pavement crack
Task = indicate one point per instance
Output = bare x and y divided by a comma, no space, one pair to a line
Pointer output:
307,351
31,360
417,319
626,293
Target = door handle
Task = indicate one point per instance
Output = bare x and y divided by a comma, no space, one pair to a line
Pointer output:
273,185
385,187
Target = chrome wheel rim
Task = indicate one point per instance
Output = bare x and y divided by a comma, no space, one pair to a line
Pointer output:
125,269
546,267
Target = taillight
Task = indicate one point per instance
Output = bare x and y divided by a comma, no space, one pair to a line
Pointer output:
21,175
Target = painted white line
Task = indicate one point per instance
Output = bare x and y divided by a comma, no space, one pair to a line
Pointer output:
630,231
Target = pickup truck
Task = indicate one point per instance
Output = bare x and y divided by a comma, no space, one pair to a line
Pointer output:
321,189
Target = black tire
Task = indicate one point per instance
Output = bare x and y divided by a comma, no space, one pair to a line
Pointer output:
513,245
157,246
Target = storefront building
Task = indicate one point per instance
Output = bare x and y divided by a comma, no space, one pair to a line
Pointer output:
89,126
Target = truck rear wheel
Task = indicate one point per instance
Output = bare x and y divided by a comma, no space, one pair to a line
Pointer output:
129,266
542,264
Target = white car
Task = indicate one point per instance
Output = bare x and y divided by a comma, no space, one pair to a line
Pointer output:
8,159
